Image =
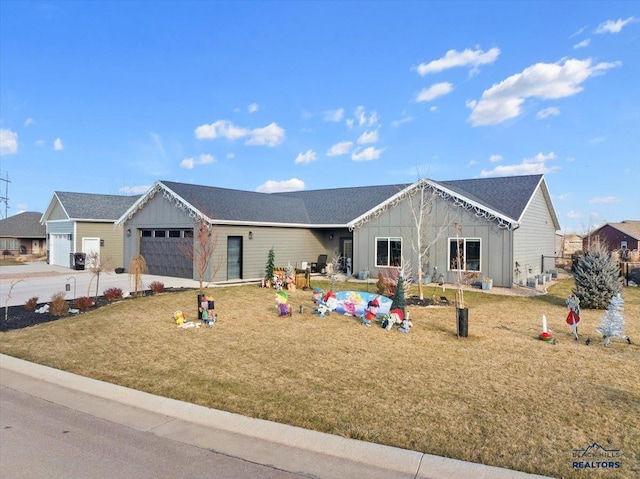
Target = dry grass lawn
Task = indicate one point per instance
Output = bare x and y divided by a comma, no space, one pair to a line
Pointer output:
500,397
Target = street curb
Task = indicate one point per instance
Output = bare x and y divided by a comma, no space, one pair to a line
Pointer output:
388,460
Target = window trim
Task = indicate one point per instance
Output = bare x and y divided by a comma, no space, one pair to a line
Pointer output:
464,241
389,239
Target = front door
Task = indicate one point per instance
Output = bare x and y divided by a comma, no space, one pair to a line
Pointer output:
91,247
234,257
346,254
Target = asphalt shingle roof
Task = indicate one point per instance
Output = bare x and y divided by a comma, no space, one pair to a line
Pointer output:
23,225
89,206
508,196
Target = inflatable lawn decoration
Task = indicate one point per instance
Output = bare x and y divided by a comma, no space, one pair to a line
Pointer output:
355,302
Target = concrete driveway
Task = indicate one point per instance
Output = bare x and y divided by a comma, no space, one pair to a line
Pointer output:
21,282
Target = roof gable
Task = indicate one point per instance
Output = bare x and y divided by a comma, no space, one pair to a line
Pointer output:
90,206
628,227
23,225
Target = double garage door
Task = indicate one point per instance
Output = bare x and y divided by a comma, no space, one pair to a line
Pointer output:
165,255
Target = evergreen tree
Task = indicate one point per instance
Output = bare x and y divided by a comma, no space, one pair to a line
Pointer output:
612,322
271,264
398,297
597,278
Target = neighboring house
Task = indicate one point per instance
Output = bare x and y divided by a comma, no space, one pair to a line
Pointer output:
84,223
616,236
506,226
23,234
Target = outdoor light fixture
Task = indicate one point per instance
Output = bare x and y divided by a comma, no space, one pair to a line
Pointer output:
250,235
129,232
330,236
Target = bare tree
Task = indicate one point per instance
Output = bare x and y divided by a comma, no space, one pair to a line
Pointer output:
427,231
203,251
6,302
137,267
96,266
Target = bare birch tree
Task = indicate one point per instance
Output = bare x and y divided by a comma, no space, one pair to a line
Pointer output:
427,231
203,252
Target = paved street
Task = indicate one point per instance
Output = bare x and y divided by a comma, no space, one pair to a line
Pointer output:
40,439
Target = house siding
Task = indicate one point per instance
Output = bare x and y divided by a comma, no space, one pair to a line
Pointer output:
496,243
57,212
291,245
112,253
534,238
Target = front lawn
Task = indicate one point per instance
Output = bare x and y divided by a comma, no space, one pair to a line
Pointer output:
500,397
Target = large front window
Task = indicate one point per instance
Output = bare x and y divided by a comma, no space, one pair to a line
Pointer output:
388,252
464,254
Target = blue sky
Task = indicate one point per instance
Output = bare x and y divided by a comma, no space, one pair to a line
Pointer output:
108,97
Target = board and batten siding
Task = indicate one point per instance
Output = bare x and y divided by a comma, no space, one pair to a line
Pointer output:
496,243
535,236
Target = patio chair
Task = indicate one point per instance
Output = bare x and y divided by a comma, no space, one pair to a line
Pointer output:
320,265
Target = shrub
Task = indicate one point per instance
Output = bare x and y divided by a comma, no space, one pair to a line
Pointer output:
31,304
157,287
113,294
83,303
58,305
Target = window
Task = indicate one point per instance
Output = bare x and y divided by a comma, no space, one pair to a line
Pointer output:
160,233
388,252
174,233
465,255
146,233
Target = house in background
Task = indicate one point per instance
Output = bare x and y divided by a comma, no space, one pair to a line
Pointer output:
616,236
23,234
504,228
84,223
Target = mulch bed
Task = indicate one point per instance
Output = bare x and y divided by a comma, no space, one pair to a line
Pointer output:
17,317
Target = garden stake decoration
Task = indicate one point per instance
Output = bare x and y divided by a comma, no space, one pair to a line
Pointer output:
545,335
573,318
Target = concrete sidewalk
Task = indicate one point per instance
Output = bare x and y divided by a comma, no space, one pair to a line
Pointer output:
285,447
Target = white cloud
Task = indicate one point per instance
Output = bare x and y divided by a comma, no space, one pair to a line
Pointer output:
8,142
574,214
397,123
362,118
253,107
453,58
547,112
529,166
543,80
367,154
349,122
604,200
613,26
134,190
270,135
339,149
57,144
579,32
583,44
434,91
495,158
230,156
272,186
29,121
433,109
305,158
220,129
333,116
368,137
189,163
564,196
40,142
472,163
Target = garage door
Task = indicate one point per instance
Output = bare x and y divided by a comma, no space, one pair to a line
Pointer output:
60,250
165,254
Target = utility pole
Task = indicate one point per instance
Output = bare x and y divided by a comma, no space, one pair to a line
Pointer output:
5,198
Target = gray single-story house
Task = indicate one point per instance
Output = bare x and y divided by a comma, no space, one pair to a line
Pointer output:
84,223
22,234
503,227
